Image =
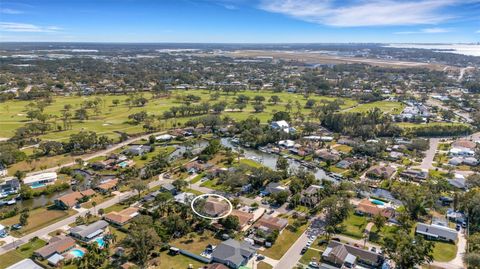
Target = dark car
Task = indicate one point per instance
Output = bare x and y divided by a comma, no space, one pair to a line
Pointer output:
457,227
304,249
336,239
17,226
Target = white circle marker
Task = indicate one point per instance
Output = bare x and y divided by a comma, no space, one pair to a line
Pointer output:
214,195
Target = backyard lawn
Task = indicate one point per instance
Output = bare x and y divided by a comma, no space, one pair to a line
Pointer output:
195,243
444,252
354,226
39,218
23,252
177,262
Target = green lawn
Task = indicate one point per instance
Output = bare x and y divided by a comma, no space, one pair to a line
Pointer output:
444,252
415,125
310,255
115,207
354,226
196,179
23,252
384,106
39,218
115,118
177,262
194,242
283,243
251,163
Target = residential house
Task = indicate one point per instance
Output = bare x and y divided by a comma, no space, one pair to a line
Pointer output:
327,156
196,167
56,245
286,143
366,207
381,172
244,218
437,232
107,186
40,180
348,256
458,181
138,150
461,152
69,200
233,253
184,198
415,175
216,266
164,137
168,187
273,188
25,264
349,162
282,126
310,196
9,185
86,233
465,144
270,223
122,217
215,207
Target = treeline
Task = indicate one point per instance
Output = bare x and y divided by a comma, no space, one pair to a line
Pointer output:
439,130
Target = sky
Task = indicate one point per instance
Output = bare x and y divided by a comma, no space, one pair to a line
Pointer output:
241,21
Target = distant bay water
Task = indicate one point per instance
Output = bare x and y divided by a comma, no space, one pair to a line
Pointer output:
465,49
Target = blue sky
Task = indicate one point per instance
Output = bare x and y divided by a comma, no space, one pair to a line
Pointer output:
241,21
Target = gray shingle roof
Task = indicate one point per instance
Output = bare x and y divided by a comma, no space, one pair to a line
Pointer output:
233,251
437,231
86,230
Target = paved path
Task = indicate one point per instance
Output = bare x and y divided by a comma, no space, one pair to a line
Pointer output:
427,162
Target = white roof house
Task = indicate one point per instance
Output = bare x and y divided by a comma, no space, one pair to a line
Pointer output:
25,264
165,137
40,178
282,125
462,152
286,143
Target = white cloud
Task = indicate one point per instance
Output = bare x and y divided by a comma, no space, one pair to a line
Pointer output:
425,31
10,11
362,13
26,27
478,32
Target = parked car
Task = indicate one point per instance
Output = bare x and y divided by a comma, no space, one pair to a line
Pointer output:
336,239
373,249
17,226
260,257
313,265
304,249
458,227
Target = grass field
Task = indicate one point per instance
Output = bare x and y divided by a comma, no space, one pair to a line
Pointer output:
177,262
354,226
444,252
263,265
114,118
384,106
39,218
23,252
195,243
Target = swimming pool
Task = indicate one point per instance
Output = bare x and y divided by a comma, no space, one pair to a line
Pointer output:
77,253
37,185
123,164
100,241
377,202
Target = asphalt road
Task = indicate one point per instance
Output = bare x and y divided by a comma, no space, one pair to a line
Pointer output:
292,256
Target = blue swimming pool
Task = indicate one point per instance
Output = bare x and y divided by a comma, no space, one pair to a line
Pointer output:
123,164
77,253
37,185
377,202
100,241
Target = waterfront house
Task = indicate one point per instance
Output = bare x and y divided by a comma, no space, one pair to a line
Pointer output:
70,200
9,185
40,180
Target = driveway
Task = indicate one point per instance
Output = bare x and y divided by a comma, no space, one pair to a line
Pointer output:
292,256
